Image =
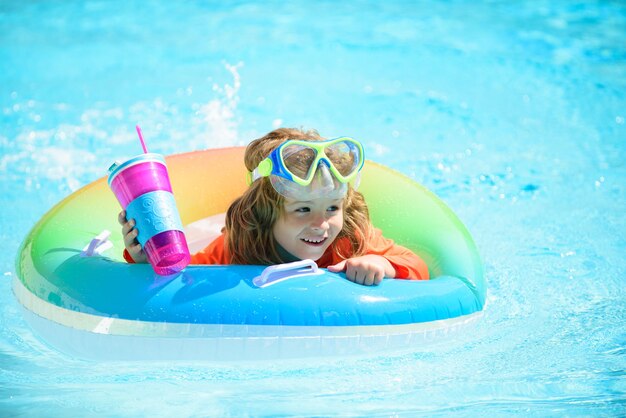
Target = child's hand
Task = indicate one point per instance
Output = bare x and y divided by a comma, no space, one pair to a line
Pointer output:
130,239
366,270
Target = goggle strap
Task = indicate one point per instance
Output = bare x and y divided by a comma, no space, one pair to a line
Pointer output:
264,169
254,175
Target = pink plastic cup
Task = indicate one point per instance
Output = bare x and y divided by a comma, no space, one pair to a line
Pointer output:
142,186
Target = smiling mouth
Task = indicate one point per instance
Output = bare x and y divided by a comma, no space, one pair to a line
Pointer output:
315,242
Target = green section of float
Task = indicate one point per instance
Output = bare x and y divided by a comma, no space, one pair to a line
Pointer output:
65,230
414,217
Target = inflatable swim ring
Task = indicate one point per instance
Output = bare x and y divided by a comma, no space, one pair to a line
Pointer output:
82,298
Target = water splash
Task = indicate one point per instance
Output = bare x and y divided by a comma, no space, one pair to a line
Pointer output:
220,114
68,155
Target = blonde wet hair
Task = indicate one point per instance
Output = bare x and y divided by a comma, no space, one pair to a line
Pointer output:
251,217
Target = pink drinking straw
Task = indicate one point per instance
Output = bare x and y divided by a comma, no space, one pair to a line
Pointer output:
143,144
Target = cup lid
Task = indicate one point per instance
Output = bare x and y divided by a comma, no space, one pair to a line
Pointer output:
118,166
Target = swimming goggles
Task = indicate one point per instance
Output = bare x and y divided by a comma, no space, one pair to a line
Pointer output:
305,170
298,161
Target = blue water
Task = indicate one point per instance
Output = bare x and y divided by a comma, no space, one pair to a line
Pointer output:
513,112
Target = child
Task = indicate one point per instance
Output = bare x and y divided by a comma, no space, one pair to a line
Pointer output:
301,204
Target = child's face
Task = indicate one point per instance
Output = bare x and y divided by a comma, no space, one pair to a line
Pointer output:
307,228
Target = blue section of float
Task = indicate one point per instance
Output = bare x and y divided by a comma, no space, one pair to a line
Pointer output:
227,295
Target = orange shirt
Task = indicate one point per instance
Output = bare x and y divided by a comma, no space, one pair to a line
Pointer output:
406,264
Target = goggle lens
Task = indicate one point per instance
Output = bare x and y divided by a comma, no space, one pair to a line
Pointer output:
298,159
345,156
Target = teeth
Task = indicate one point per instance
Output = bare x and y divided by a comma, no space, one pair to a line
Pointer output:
313,240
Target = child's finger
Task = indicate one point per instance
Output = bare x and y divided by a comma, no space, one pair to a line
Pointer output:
127,227
341,266
121,217
135,249
374,277
130,238
137,254
362,277
369,278
354,274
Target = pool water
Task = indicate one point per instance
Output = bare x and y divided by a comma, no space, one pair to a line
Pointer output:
514,113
